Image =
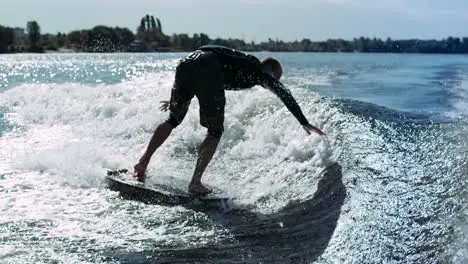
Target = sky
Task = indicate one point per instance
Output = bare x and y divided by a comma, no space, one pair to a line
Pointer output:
252,20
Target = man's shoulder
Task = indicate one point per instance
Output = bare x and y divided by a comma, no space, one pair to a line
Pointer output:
217,48
222,50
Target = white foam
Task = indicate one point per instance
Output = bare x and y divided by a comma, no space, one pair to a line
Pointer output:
459,250
306,78
76,131
460,102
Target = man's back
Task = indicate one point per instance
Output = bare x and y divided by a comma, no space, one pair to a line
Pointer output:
240,70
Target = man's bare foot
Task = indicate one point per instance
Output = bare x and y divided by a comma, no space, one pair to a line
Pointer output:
199,189
140,171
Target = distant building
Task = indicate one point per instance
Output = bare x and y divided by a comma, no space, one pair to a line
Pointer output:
19,33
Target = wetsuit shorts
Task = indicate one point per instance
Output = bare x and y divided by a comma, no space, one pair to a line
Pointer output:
199,74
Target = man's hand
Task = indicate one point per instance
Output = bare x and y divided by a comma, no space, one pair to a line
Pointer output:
310,128
164,106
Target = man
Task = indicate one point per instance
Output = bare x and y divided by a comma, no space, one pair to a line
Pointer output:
206,73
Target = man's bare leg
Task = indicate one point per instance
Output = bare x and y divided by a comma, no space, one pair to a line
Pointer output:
159,136
207,150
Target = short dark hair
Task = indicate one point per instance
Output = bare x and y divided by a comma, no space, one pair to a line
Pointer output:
272,65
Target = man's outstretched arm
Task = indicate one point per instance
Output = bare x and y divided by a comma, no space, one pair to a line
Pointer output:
285,95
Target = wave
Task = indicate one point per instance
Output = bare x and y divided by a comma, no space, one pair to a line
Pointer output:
298,233
108,126
290,187
460,98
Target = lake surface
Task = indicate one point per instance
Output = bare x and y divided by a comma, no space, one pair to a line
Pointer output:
386,185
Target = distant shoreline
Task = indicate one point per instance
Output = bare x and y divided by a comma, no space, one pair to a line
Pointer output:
245,48
70,51
151,38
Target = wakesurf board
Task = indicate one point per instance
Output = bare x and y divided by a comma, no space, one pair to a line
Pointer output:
168,190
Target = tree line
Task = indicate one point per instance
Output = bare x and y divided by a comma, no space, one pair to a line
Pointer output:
150,37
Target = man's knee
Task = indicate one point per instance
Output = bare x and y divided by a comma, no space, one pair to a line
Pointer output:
215,132
173,121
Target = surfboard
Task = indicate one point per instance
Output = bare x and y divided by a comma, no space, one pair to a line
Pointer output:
168,190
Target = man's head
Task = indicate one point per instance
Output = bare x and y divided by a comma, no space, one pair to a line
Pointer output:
272,67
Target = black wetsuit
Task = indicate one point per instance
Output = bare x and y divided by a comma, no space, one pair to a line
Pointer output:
210,70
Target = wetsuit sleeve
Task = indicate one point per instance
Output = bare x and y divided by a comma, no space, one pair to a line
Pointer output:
285,95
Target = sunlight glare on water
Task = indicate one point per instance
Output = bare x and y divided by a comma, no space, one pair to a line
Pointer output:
391,182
